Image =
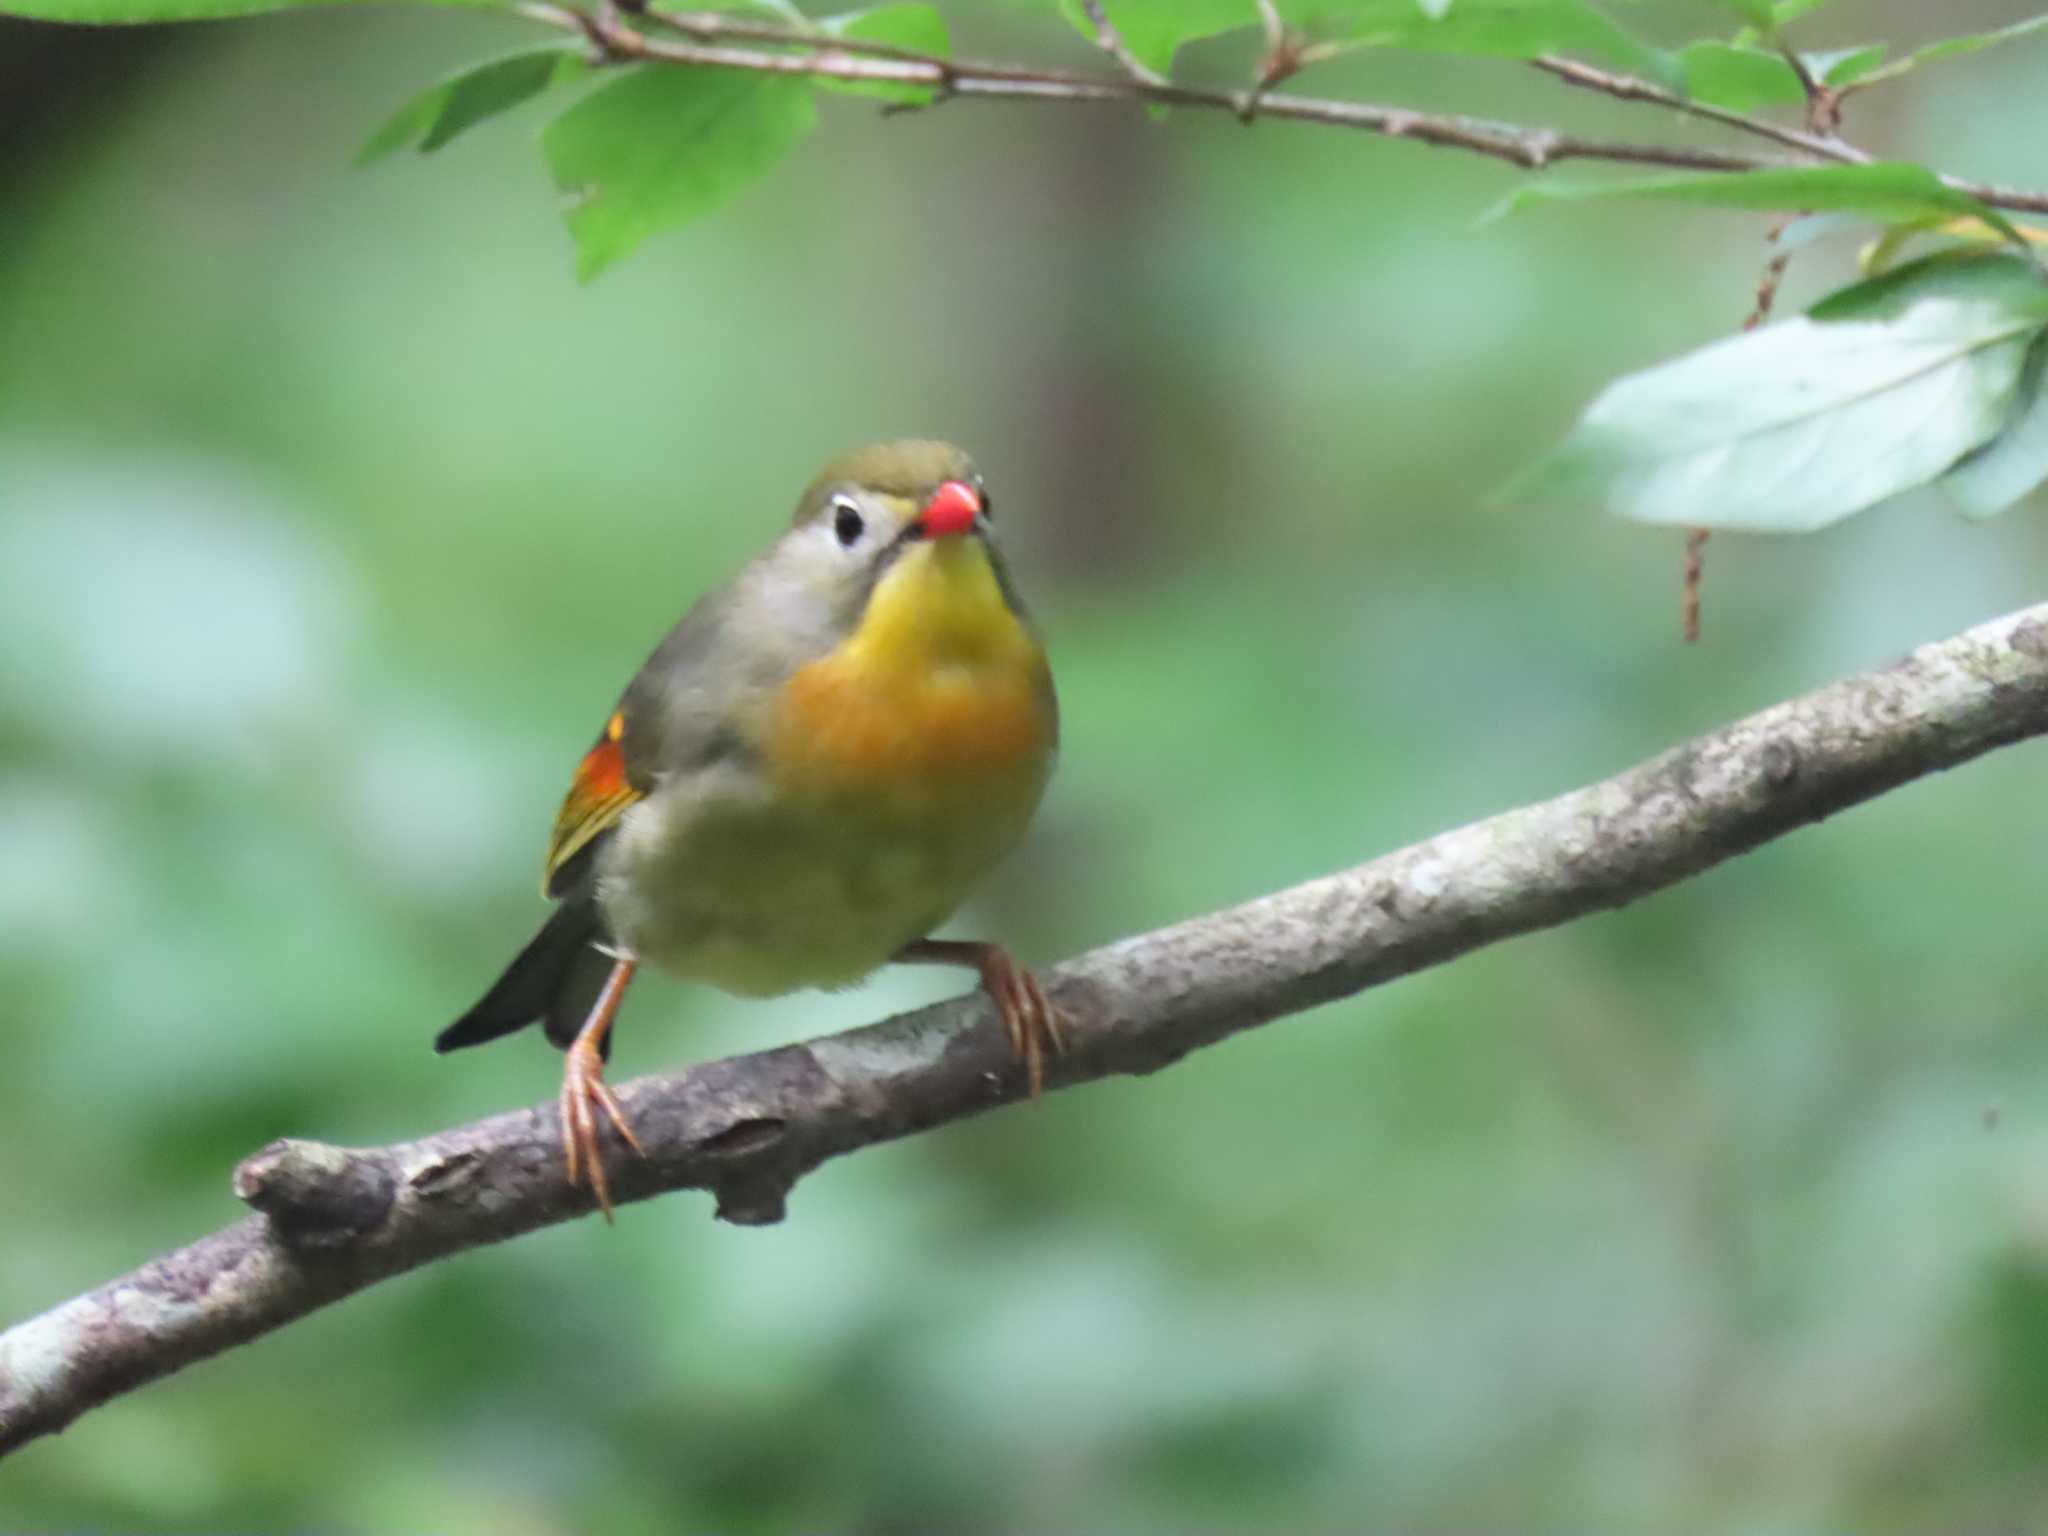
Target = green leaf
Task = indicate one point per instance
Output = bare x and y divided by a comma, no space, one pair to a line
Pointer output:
1845,66
1956,47
1995,476
1883,388
103,13
1953,47
918,28
469,97
1743,77
1792,10
1889,192
1997,279
1761,13
1738,78
1156,30
659,146
1512,29
1810,228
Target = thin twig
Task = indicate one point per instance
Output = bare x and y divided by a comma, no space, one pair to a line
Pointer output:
1272,24
718,27
1772,275
1111,42
1530,148
840,59
1823,122
1689,590
334,1220
2012,199
1823,106
1282,59
1630,88
1696,538
1808,85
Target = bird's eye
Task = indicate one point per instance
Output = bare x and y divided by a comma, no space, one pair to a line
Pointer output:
846,522
988,508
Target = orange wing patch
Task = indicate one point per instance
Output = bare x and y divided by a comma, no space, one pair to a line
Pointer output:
597,797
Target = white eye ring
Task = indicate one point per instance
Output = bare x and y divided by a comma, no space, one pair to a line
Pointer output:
847,523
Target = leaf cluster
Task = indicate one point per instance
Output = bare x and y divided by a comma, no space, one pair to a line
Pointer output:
1931,373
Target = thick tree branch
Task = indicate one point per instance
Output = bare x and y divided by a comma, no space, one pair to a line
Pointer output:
333,1220
792,51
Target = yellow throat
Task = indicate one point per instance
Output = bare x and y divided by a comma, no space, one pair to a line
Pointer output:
940,693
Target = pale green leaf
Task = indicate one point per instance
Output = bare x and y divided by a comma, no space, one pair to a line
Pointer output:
1845,66
1794,426
1514,29
1997,279
1761,13
1810,228
1156,30
657,147
1889,192
468,97
1955,47
2016,461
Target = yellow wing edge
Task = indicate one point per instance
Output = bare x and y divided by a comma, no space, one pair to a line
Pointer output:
598,796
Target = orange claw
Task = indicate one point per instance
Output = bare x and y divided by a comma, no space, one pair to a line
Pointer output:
1030,1022
1028,1017
584,1092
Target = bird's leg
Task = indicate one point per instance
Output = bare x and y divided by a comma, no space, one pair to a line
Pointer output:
584,1091
1028,1017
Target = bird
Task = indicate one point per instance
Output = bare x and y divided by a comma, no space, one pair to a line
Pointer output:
812,771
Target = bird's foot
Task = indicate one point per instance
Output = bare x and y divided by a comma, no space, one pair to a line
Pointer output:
584,1094
1029,1020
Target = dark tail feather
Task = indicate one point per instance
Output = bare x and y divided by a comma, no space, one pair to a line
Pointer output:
539,983
577,995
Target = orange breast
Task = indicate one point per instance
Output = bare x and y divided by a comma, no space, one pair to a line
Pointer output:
848,727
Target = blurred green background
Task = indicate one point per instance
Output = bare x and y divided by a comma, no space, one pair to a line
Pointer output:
333,512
